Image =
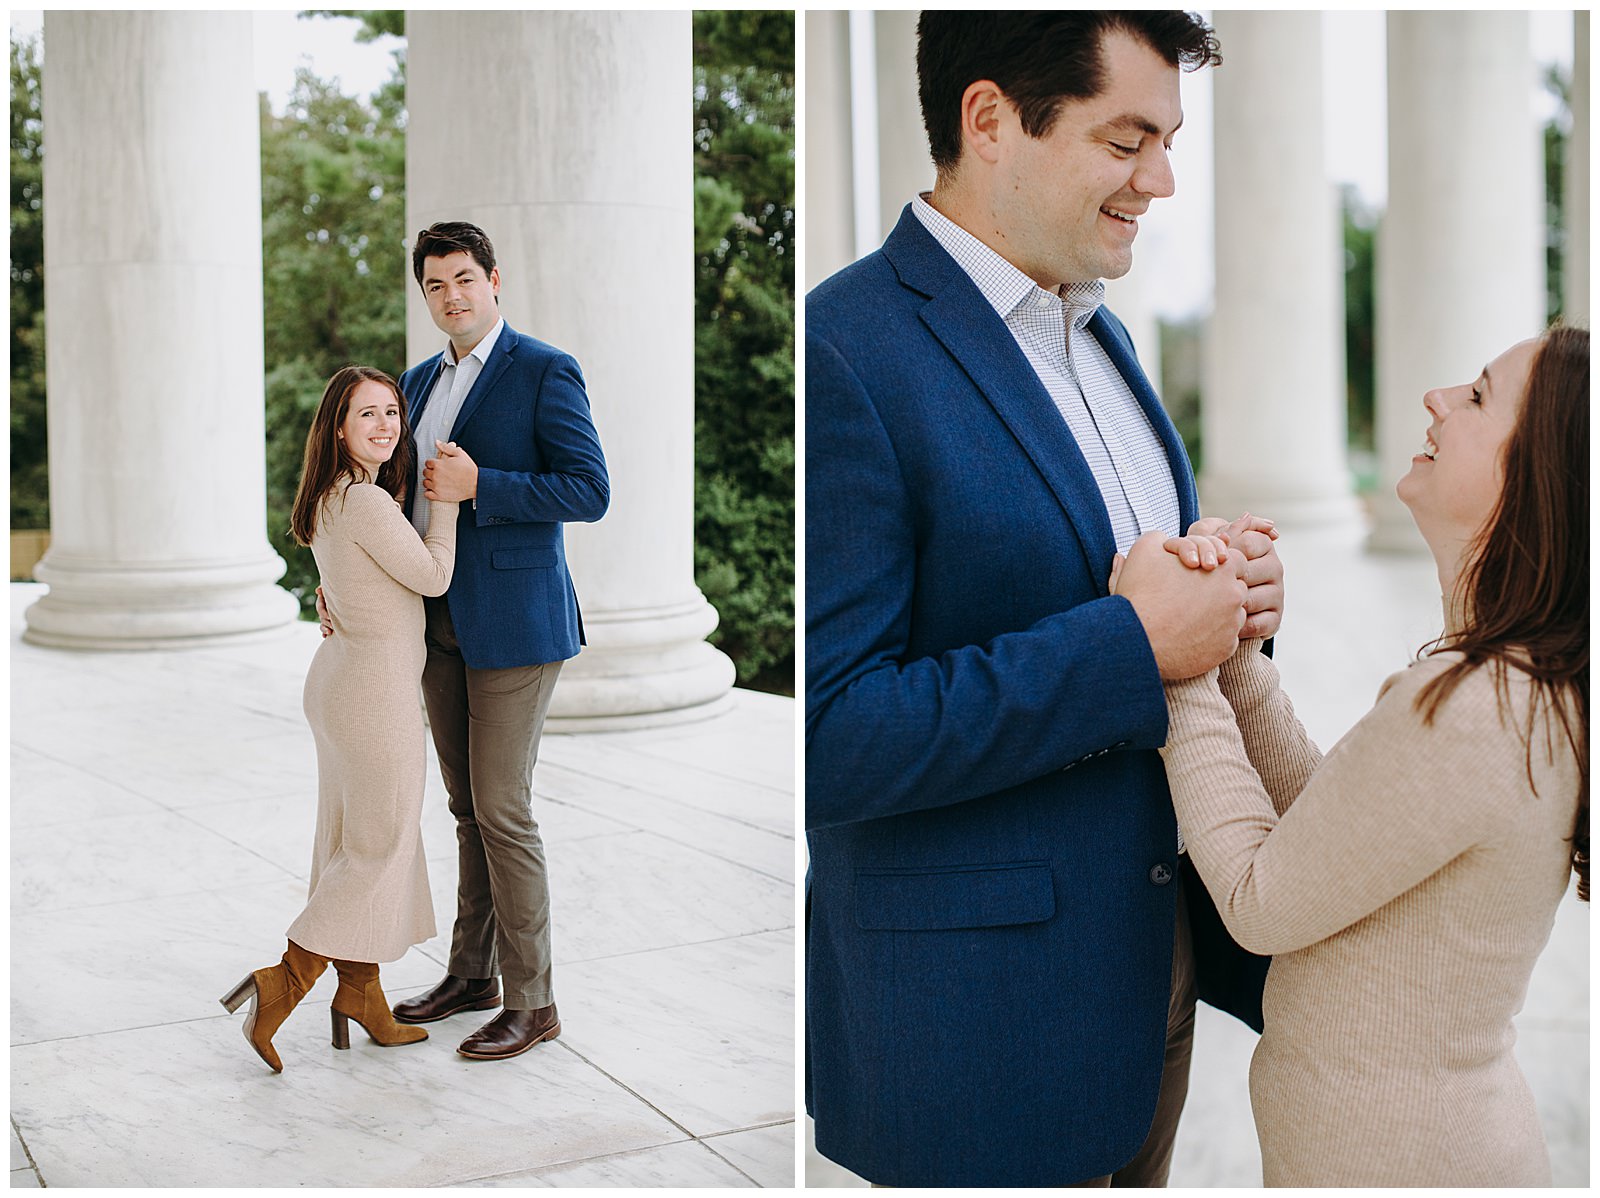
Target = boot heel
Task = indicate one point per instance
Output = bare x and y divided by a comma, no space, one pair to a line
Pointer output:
341,1030
235,998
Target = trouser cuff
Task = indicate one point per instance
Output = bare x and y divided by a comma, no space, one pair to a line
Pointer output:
527,1000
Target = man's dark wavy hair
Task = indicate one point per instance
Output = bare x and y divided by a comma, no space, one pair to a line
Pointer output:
1039,59
448,237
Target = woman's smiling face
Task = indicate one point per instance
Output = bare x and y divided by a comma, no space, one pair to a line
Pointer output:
1454,484
371,428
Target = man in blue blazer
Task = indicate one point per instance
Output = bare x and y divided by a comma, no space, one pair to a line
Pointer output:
999,978
502,425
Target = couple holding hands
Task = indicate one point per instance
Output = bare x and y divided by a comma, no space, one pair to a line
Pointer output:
449,569
1054,791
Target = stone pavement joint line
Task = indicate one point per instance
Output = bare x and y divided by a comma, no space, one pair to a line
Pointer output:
26,1175
163,808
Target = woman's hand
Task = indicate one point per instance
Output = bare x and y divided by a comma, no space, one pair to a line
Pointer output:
1195,551
1199,551
1254,538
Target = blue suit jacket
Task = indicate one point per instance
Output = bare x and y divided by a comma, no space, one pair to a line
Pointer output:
991,894
526,424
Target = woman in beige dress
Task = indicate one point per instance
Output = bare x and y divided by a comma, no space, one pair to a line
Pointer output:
1405,883
369,898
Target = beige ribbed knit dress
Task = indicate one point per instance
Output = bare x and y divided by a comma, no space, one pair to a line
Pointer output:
369,883
1404,886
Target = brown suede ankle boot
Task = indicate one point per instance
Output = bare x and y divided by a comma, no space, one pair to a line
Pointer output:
274,992
361,998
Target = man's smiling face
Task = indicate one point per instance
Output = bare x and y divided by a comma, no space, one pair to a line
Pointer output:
461,297
1066,205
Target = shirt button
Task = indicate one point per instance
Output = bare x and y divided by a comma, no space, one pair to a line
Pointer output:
1161,873
1042,302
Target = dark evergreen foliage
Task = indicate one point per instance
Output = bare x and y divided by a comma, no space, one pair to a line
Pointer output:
744,337
30,478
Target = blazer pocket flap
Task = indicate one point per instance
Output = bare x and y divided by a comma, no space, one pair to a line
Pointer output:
974,896
522,559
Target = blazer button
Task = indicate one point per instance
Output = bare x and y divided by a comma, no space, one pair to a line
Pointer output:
1161,873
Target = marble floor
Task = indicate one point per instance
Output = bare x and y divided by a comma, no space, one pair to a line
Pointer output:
1351,618
162,809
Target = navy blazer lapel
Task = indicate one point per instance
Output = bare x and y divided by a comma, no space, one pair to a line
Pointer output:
425,392
1119,349
499,359
966,325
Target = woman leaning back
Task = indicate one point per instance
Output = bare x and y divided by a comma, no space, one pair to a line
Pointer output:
1405,884
369,899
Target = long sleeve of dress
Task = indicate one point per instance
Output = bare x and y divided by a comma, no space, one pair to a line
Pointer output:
1395,801
381,528
1275,741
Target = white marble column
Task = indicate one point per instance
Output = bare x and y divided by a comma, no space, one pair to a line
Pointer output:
154,348
828,229
1273,405
1460,251
905,167
583,180
1129,299
1575,280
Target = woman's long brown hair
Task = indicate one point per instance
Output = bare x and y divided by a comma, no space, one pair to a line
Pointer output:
1524,595
328,459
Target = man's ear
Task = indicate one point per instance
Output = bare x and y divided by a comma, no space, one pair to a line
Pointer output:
983,113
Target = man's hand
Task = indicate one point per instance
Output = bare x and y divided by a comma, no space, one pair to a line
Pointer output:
1256,538
322,615
451,476
1191,617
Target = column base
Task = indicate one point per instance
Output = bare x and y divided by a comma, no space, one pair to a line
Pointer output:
1393,529
99,605
644,668
1230,498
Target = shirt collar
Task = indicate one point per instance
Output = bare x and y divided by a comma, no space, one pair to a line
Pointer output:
1001,283
481,350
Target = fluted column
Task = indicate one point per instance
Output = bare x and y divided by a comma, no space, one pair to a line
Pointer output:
579,166
829,228
154,346
1273,405
1575,299
1459,254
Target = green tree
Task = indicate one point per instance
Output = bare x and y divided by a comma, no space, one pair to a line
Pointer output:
30,477
1360,355
335,269
744,337
1181,345
1556,134
375,22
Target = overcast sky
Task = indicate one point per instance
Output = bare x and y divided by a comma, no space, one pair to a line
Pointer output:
283,42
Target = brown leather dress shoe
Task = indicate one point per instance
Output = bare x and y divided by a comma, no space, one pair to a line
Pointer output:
449,996
510,1033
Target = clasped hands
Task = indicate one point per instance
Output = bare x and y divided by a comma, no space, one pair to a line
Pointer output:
1199,595
450,477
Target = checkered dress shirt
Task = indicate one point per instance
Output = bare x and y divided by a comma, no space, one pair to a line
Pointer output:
444,405
1110,427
